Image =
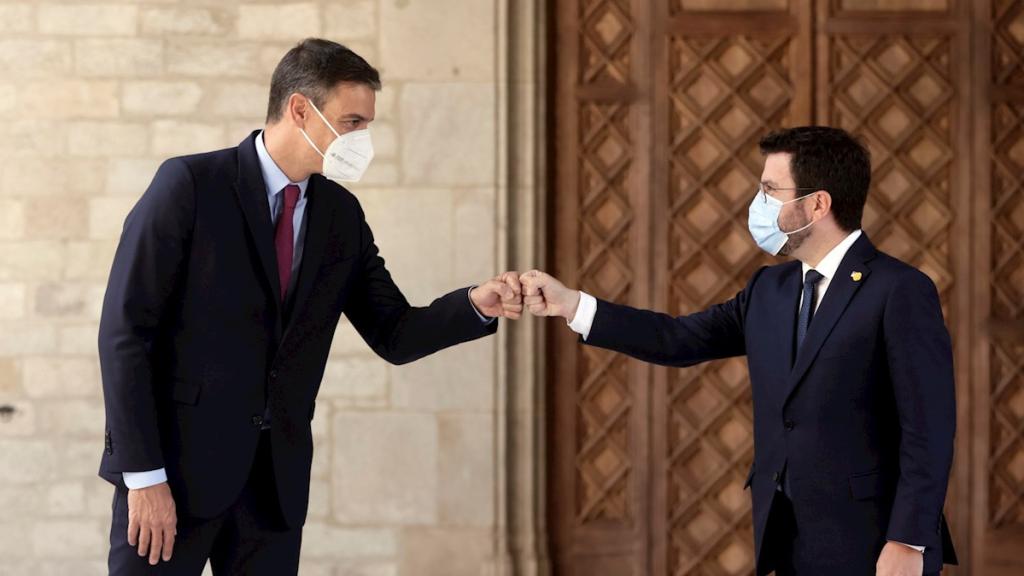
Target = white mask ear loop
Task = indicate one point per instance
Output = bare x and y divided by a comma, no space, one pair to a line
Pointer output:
306,136
318,113
802,228
331,128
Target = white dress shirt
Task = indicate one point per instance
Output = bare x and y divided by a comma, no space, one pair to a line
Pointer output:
583,321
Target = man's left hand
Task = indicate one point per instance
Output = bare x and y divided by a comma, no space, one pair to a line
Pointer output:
899,560
499,297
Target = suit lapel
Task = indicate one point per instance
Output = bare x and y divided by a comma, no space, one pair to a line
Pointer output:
784,315
319,214
840,291
252,196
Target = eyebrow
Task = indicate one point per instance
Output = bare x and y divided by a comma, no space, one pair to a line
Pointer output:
770,183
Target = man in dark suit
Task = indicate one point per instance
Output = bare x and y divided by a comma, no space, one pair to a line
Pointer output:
227,286
850,364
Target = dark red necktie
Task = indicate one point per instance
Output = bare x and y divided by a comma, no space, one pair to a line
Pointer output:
284,237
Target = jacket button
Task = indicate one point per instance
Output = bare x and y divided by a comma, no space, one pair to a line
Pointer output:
273,374
257,421
789,425
775,477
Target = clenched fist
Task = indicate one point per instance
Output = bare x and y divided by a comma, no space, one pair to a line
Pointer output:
544,295
499,297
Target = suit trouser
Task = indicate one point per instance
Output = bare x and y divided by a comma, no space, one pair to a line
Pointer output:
781,549
248,538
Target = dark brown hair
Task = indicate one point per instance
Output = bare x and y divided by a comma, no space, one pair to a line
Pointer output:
829,159
313,68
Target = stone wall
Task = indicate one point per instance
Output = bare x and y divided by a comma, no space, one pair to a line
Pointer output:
410,467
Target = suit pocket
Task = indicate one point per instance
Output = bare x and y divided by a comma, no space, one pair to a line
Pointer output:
750,478
186,393
866,485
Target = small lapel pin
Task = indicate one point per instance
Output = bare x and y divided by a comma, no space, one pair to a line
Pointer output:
856,276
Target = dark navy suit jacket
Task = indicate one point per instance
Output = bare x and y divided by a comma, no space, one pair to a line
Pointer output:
195,344
860,419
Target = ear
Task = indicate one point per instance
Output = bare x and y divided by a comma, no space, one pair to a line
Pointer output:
823,202
297,109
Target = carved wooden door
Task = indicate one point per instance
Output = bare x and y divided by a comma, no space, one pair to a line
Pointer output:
657,109
996,496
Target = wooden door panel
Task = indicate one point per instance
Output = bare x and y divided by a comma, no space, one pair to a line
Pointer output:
901,83
603,396
726,90
999,465
896,92
598,461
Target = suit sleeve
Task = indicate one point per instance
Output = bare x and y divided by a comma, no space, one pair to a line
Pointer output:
398,332
147,267
715,333
921,368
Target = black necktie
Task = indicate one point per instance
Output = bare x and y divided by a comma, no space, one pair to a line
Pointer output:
807,305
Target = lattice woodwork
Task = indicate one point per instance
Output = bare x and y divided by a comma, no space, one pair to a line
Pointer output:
725,94
1007,41
605,33
1008,211
896,92
603,398
1006,440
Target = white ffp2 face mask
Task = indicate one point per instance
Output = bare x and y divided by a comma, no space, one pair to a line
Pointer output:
348,156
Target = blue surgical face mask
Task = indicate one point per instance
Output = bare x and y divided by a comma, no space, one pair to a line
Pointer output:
763,222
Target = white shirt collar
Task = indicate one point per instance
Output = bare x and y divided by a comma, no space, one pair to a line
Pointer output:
829,265
273,176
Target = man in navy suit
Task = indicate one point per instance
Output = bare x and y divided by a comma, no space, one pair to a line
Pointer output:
850,364
227,286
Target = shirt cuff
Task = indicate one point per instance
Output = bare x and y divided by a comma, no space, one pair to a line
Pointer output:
918,548
483,318
585,312
140,480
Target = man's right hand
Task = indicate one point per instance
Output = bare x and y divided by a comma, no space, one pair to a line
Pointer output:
152,522
543,295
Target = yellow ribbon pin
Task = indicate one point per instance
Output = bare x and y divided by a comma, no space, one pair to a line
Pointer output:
856,276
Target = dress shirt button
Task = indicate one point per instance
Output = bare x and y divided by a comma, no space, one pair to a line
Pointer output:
257,421
789,425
